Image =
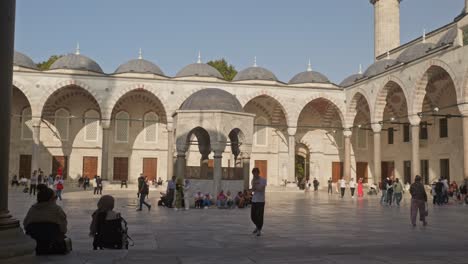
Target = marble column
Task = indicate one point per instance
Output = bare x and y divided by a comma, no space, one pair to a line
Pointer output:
180,165
347,155
377,128
170,149
217,172
106,134
15,246
292,154
246,169
465,147
415,162
36,135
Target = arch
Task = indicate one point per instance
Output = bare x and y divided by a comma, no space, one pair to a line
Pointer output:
122,127
151,127
64,84
244,100
26,123
91,121
61,123
381,98
22,88
351,108
203,139
420,86
136,87
236,137
338,107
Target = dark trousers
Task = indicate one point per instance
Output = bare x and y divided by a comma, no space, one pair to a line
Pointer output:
352,191
342,192
85,185
97,190
256,214
330,189
31,188
142,201
418,205
170,197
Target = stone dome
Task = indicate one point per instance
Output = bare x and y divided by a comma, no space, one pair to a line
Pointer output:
76,62
20,59
448,38
139,66
309,77
255,73
351,79
199,70
379,66
212,99
415,52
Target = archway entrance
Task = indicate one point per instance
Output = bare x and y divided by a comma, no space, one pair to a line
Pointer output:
302,165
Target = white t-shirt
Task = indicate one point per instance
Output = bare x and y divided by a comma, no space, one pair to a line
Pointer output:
342,183
259,197
352,184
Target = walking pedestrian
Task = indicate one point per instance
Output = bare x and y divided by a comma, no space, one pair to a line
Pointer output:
330,186
33,184
418,201
360,188
171,186
143,193
383,188
316,184
85,182
187,194
98,185
352,186
397,191
58,183
258,201
342,186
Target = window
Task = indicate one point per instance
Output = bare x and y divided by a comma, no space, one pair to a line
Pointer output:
62,121
406,133
425,171
91,125
445,169
390,135
261,132
26,124
407,171
122,123
151,127
443,127
362,138
423,131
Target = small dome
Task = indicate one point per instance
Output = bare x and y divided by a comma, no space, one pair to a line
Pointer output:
309,77
199,70
212,99
379,66
76,62
255,73
448,38
139,66
415,52
351,80
19,59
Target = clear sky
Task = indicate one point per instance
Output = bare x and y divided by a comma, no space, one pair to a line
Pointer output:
336,35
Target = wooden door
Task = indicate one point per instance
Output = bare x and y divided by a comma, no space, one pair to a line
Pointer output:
262,165
60,163
150,168
120,169
25,166
90,167
337,171
388,169
361,171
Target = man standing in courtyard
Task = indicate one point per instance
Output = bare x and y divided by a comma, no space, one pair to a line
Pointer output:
258,201
418,201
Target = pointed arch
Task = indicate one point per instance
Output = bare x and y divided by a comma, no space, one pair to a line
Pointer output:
338,107
244,100
381,100
357,96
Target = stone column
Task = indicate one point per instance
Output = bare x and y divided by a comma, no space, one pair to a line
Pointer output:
170,149
15,246
347,154
218,171
415,162
292,154
36,134
377,128
465,146
106,134
180,165
246,169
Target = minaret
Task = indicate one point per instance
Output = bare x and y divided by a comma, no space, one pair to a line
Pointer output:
386,25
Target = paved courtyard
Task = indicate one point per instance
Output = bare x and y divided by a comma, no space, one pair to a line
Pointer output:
299,228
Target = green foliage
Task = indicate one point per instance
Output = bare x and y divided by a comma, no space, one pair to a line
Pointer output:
45,65
227,70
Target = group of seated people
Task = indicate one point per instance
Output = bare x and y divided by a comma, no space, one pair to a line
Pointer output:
223,200
46,223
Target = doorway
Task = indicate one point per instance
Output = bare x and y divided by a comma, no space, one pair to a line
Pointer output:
150,168
25,166
120,169
388,169
337,171
262,165
361,171
90,166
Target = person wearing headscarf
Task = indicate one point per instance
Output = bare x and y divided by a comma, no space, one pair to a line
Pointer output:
187,194
105,209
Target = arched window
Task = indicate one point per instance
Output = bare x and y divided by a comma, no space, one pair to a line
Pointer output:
122,123
26,124
91,132
151,121
261,131
62,121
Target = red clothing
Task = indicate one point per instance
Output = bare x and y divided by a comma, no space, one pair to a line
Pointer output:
360,191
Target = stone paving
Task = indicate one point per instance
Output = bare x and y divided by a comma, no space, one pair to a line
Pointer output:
299,228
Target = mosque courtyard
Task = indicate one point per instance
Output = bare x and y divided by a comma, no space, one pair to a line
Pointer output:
299,228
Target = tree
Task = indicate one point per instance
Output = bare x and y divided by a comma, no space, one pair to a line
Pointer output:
227,70
45,65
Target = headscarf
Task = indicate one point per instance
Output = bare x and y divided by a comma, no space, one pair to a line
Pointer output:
104,205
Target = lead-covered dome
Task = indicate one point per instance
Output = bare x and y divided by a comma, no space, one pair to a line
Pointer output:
379,66
199,70
350,80
139,66
448,38
76,62
255,73
415,52
20,59
309,77
212,99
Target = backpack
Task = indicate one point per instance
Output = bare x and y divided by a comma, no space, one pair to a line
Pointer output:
111,234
